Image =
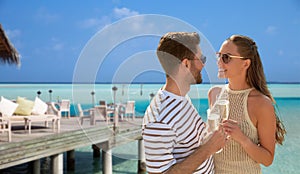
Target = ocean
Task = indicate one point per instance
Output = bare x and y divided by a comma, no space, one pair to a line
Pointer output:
287,98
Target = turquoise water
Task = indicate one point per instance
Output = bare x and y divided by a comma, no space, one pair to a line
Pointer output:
125,157
286,157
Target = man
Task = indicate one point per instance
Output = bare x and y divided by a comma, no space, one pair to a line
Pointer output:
173,131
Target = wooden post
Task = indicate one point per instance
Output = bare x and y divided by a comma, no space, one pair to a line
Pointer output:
57,163
116,120
142,159
36,166
107,161
71,160
96,150
106,158
92,119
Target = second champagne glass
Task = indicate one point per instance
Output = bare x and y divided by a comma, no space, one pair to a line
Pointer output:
222,103
213,120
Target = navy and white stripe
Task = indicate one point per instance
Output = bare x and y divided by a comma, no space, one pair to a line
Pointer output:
172,130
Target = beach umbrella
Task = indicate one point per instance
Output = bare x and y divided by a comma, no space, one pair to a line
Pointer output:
8,54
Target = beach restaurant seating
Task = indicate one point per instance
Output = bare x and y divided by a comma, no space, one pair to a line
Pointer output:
27,112
128,111
97,113
102,102
84,114
101,113
65,107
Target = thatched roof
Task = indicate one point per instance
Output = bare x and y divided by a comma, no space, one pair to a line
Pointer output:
8,54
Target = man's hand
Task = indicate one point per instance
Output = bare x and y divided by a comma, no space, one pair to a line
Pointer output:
217,140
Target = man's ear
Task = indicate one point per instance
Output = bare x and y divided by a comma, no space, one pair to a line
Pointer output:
185,62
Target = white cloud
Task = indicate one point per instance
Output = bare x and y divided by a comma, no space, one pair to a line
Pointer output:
103,21
96,51
271,30
124,12
95,22
57,45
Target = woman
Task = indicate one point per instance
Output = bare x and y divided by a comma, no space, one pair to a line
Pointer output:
253,126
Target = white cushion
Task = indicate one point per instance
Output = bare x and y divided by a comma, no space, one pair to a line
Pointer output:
7,107
40,107
25,106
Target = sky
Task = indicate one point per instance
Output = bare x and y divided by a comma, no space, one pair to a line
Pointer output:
107,41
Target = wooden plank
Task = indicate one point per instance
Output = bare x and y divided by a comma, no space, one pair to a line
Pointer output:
48,146
25,151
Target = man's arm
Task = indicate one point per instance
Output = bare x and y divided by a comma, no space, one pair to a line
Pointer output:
191,163
159,142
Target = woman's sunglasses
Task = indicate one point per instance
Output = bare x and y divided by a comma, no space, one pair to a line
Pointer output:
227,57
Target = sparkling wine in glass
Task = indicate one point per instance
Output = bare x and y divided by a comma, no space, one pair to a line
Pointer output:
213,120
222,103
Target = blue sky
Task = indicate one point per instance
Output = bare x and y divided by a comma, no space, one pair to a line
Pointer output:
52,36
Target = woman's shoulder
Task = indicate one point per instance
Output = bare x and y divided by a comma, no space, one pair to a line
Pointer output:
261,107
259,97
259,100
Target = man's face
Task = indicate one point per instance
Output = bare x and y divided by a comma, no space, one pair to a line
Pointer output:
196,67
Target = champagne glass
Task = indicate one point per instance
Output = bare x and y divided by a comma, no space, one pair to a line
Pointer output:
222,103
213,120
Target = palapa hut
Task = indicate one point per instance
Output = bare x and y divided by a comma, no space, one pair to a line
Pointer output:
8,54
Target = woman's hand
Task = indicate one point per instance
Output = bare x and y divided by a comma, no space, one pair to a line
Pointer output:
232,128
217,140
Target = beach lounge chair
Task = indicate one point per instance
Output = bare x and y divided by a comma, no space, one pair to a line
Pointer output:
7,108
84,114
65,107
5,126
54,118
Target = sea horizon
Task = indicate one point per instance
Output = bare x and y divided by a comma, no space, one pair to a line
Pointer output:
270,82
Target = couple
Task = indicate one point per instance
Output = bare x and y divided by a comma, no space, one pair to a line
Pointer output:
173,131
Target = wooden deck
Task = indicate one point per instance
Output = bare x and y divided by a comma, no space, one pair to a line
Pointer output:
43,142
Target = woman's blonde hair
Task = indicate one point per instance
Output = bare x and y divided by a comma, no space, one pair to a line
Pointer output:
255,75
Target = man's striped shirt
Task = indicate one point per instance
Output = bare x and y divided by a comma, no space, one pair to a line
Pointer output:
172,130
